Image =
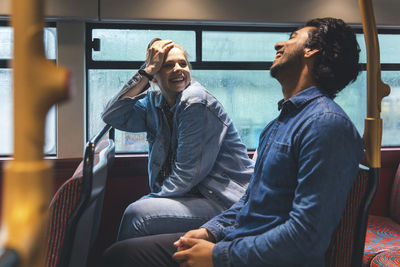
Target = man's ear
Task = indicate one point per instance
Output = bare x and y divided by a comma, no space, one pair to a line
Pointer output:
310,52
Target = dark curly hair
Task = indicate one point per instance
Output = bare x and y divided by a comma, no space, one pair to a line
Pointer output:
337,63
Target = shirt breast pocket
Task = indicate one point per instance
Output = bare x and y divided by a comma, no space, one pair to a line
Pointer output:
280,166
280,147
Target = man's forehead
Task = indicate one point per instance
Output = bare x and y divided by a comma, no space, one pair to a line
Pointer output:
303,29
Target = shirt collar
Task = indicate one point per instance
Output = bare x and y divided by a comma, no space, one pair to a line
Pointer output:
161,103
300,99
159,100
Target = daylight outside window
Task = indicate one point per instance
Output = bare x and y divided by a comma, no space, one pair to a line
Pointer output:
234,66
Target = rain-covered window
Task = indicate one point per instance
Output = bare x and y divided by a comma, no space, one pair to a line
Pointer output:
233,64
6,95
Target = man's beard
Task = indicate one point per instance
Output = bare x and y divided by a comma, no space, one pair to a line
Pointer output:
276,69
292,62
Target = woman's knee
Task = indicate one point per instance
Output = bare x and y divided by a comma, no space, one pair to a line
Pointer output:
138,209
151,216
133,221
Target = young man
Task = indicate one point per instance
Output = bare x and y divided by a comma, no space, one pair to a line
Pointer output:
198,166
307,161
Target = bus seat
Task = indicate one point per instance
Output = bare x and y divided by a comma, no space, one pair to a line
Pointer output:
386,258
382,244
75,210
347,243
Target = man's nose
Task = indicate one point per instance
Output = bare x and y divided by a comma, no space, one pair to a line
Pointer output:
278,46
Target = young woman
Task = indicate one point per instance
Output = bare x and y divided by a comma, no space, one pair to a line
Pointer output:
198,165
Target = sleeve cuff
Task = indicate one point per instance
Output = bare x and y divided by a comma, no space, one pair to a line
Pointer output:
215,229
220,254
131,83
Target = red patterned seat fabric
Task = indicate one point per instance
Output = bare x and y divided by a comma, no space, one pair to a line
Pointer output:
383,237
387,258
63,205
339,252
394,208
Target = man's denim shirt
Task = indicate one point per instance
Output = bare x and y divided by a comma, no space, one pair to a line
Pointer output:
207,148
307,161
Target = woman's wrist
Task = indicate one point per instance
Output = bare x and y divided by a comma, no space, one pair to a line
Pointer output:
146,74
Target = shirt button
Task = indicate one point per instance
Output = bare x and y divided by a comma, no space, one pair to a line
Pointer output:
209,191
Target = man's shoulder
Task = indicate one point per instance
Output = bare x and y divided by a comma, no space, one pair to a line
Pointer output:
325,105
312,102
325,114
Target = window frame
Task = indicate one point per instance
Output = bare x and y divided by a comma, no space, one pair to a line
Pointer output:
4,63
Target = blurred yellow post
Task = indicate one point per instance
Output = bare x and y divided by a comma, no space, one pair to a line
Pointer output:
28,182
376,89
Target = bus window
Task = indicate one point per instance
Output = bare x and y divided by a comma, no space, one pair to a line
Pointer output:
6,102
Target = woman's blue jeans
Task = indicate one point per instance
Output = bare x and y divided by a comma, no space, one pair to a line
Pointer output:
151,216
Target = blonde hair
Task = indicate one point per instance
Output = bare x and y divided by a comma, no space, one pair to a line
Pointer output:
185,53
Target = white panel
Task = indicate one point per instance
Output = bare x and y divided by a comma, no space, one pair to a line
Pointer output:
387,11
76,9
249,11
209,10
71,123
5,7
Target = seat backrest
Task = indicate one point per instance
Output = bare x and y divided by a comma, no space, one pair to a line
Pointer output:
347,243
75,210
394,209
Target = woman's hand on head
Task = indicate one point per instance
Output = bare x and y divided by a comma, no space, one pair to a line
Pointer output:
156,54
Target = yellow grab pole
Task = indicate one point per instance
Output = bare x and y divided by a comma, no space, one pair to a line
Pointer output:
376,89
28,182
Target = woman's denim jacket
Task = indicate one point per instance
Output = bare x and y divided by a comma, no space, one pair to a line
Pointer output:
207,148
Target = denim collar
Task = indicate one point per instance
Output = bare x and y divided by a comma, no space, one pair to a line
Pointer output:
300,99
161,102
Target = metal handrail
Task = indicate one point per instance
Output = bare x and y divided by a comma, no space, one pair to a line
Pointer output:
376,89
